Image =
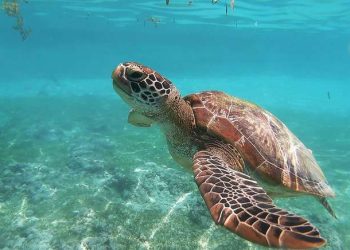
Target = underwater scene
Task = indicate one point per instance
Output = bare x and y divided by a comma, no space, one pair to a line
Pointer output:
75,174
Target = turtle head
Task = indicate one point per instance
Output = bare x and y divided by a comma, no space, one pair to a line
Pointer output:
142,88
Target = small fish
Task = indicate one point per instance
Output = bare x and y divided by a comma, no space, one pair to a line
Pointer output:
329,95
226,9
167,2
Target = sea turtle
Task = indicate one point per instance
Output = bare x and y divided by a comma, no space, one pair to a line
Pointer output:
240,155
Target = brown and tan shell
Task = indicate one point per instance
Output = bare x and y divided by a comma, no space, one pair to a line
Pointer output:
266,144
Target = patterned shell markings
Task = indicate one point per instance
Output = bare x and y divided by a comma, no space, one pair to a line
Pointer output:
265,143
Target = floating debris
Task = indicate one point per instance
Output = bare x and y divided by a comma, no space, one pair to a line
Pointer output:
232,4
189,3
152,19
12,8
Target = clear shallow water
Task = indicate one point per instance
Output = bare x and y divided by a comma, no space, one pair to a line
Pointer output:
75,175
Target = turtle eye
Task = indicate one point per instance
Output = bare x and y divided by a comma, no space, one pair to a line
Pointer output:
135,75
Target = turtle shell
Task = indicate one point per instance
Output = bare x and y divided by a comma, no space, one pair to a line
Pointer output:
268,147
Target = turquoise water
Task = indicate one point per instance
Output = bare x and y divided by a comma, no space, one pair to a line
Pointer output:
75,175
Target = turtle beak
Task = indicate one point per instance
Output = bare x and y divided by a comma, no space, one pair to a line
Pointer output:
119,80
118,72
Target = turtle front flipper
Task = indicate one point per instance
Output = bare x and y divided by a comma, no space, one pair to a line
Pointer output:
238,203
139,120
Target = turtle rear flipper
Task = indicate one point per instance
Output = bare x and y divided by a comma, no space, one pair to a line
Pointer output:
327,206
238,203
